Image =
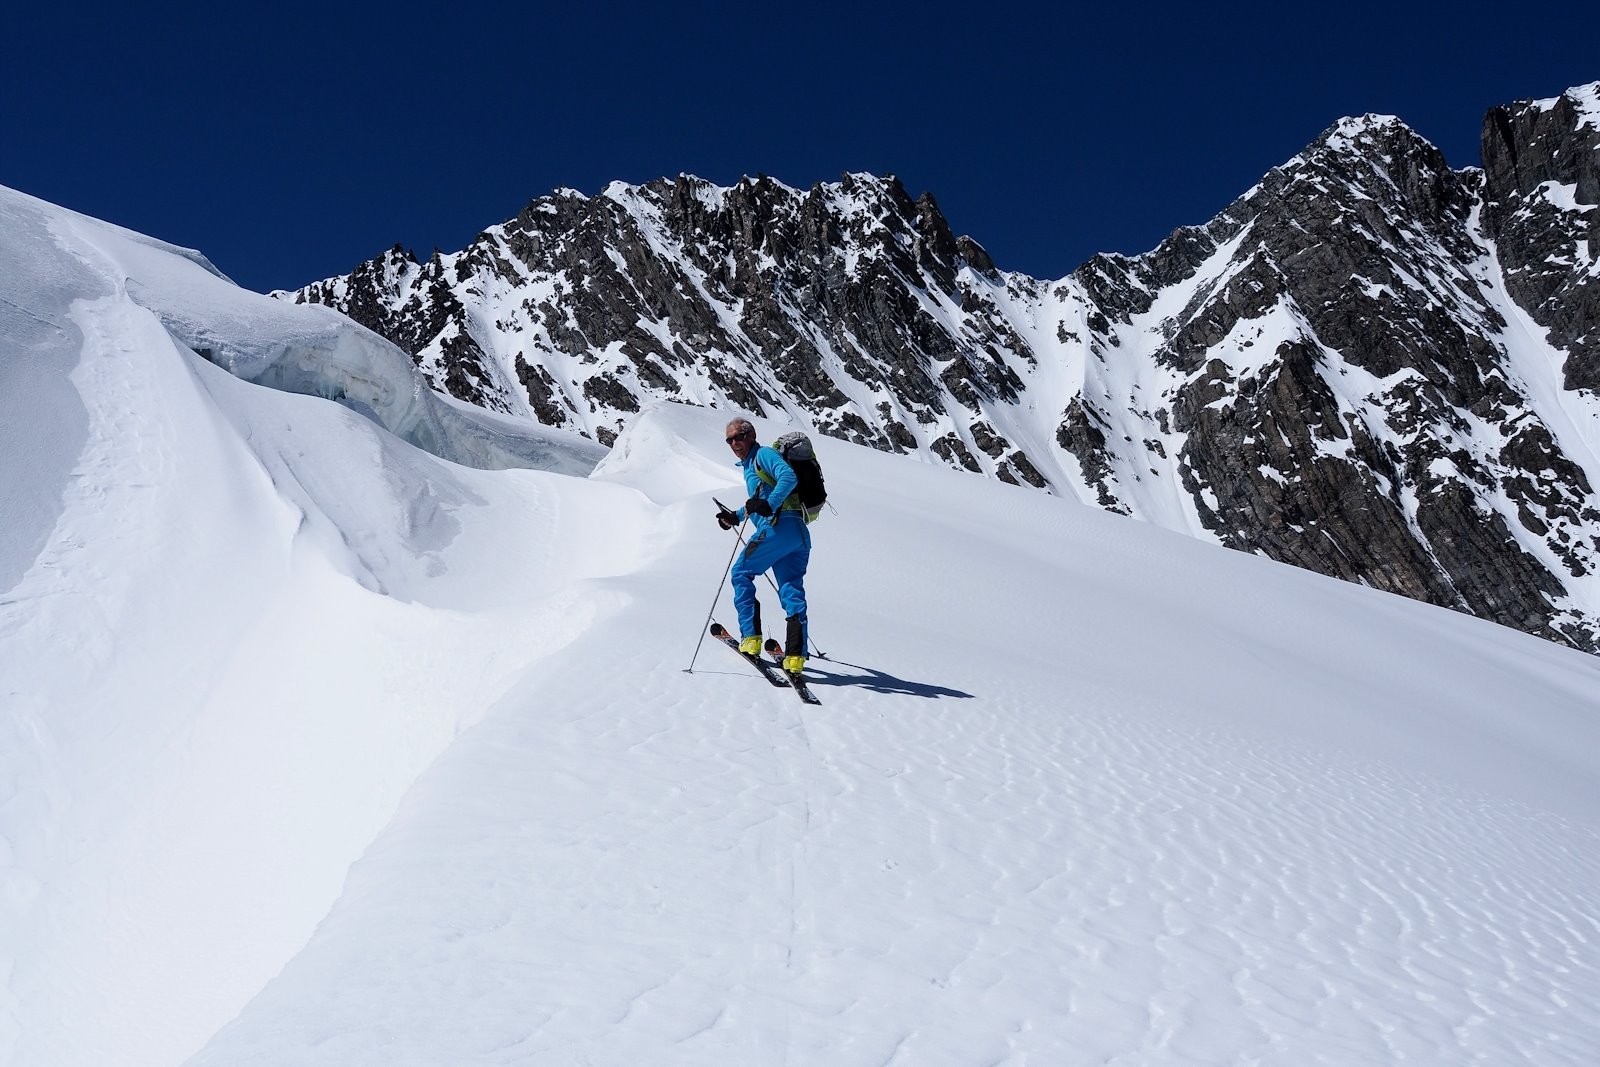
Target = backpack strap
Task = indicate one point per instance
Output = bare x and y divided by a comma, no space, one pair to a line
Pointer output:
790,502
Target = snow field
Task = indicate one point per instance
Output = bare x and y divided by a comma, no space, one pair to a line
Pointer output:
979,849
317,749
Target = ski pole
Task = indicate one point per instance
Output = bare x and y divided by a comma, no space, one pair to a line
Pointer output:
716,597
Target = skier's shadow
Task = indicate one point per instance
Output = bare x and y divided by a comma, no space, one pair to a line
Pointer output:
876,681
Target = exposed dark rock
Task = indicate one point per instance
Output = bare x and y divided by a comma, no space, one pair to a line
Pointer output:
541,392
975,255
1018,461
1080,435
988,442
954,451
1535,157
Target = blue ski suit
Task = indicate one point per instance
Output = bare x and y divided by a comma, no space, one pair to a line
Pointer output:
781,544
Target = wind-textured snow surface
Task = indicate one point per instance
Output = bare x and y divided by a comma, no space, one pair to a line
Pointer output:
318,749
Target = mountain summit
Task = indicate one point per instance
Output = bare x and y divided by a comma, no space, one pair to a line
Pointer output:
1370,365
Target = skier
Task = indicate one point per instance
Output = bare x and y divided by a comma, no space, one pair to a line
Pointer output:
781,543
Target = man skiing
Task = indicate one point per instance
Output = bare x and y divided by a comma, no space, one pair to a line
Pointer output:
781,543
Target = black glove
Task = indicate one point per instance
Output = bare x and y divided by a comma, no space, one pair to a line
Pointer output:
726,519
756,506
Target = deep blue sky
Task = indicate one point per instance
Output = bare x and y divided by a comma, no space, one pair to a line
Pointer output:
289,142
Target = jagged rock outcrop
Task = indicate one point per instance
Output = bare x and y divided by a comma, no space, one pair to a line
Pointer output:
1360,259
1541,162
1371,365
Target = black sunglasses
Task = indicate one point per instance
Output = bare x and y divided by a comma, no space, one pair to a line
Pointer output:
740,436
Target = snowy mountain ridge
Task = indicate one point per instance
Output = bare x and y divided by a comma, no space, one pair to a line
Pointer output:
1370,365
318,748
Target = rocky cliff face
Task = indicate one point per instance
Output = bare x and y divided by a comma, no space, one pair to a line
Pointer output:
1370,365
1541,163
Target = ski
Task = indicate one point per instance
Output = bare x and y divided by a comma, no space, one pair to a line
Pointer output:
796,682
773,674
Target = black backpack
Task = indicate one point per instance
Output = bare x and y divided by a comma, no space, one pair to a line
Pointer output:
810,490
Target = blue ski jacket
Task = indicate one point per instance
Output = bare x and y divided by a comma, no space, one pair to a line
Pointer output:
768,475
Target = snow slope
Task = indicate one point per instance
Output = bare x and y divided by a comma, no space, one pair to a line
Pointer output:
217,600
318,749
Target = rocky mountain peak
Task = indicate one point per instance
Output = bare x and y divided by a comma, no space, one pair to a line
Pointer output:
1366,134
1370,365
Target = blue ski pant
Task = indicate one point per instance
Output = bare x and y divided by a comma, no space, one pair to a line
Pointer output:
782,546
